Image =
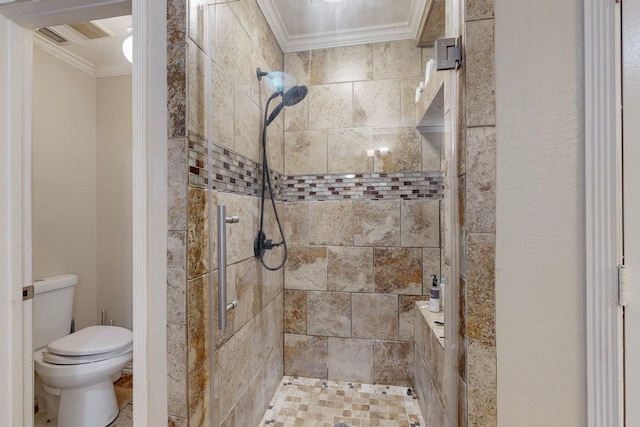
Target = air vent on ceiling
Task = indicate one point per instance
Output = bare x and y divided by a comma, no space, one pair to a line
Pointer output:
52,35
89,30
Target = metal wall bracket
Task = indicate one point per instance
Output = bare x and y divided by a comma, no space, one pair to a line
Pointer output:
27,293
448,53
623,285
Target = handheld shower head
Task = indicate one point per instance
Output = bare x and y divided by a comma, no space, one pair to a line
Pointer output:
294,95
291,97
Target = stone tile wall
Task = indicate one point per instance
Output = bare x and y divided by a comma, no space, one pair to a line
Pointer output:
357,266
477,177
347,306
476,174
430,365
361,99
225,41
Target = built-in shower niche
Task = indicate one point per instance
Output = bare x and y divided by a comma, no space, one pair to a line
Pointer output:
431,125
430,366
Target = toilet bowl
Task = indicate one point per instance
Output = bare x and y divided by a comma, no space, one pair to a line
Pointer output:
76,373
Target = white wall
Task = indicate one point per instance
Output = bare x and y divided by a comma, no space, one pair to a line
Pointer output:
82,186
540,290
113,154
64,178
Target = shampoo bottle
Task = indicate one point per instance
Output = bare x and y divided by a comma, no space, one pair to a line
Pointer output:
442,292
434,296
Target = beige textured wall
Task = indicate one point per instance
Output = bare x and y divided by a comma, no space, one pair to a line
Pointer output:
356,267
81,187
64,178
540,215
113,190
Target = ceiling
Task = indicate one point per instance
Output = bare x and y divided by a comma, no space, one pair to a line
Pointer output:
313,24
297,24
43,13
101,57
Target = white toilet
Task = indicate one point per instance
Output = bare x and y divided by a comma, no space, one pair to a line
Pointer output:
74,372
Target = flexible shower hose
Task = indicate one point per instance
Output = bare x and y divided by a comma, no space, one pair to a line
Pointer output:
261,243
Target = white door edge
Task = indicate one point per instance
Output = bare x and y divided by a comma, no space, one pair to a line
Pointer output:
27,270
15,358
605,394
630,75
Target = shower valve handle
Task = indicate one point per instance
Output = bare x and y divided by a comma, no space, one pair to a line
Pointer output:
269,244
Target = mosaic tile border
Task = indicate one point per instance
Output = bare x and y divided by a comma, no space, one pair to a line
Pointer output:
373,186
235,173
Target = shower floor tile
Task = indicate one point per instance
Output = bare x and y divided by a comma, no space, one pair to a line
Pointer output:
311,402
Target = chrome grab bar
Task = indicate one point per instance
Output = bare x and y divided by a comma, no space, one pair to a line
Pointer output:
223,307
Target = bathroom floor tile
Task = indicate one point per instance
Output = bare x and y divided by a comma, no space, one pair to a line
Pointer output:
310,402
125,417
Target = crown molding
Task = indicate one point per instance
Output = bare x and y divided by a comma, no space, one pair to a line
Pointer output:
113,70
64,55
374,34
87,67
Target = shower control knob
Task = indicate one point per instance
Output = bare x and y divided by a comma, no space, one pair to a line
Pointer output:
261,244
269,244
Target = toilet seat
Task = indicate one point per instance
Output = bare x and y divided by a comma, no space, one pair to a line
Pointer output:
91,344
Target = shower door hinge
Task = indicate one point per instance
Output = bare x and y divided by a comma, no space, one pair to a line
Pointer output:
448,53
27,293
623,285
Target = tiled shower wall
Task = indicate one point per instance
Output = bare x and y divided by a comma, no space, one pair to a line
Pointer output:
223,41
357,263
477,197
363,259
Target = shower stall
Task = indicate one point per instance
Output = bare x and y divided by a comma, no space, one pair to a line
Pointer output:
346,195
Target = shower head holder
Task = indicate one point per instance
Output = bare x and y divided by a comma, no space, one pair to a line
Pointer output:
260,74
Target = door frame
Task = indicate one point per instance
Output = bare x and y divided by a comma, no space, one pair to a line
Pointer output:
149,196
149,205
603,209
15,253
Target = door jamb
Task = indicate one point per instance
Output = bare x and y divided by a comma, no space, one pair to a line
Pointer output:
14,250
605,394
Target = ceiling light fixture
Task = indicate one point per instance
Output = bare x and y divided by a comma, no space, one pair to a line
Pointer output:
127,46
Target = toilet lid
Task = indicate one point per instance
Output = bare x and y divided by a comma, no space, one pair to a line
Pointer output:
92,340
56,359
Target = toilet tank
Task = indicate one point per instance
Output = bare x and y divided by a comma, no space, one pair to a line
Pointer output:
52,308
